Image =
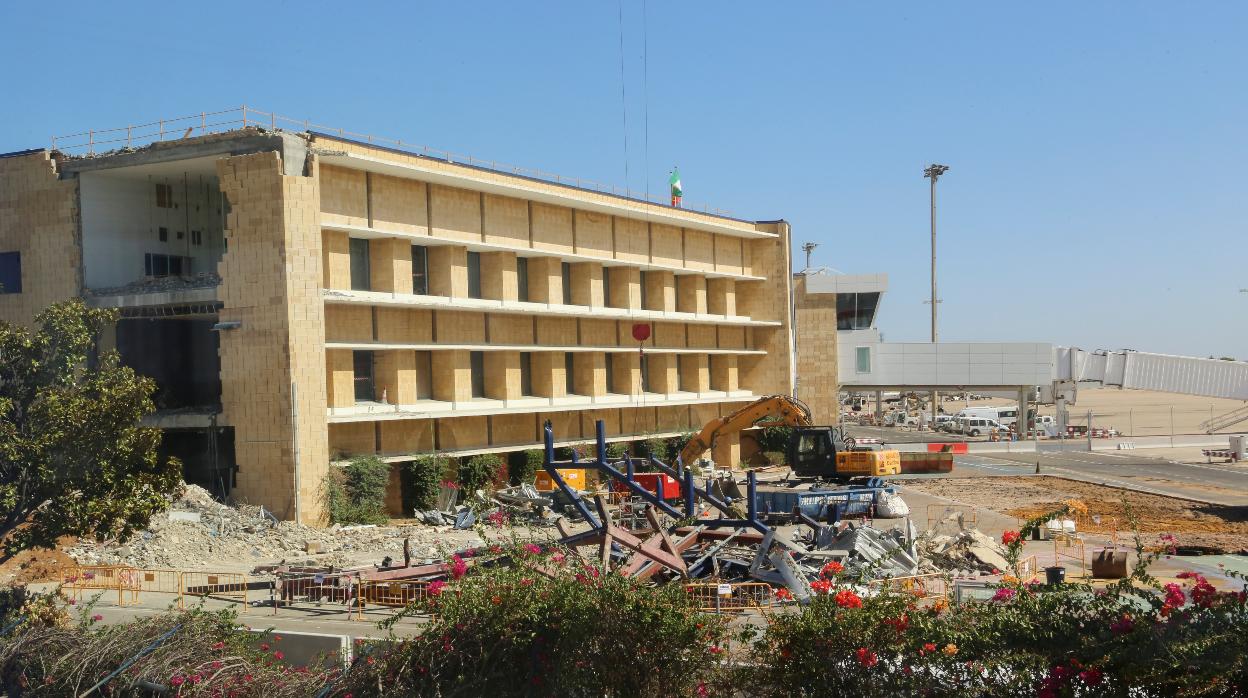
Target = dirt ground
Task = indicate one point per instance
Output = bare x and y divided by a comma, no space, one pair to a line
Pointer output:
34,566
1195,525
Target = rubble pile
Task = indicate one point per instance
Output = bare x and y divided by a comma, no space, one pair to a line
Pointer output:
163,284
197,532
967,551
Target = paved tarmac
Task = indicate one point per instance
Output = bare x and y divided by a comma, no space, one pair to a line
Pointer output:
1216,483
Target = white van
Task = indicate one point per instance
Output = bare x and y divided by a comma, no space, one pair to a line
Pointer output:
1005,415
978,426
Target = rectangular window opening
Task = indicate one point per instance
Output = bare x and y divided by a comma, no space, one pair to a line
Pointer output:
610,363
420,270
361,279
566,270
10,272
526,373
164,196
522,279
424,375
362,364
645,374
606,287
476,361
569,374
862,363
474,274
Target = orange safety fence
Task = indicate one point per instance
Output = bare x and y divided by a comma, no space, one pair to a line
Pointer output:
934,585
943,512
316,588
396,593
1071,544
132,583
1028,568
86,577
217,585
731,598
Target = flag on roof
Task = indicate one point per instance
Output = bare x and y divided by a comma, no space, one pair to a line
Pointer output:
677,192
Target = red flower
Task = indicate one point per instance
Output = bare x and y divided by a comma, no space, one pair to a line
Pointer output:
1174,595
264,647
848,599
217,664
866,657
278,638
1009,537
702,692
436,587
526,582
898,624
928,647
459,568
218,646
532,549
1090,676
1122,626
716,649
177,681
831,569
278,655
784,594
821,586
97,617
557,558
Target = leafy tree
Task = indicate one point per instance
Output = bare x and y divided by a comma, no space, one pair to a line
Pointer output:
478,472
357,493
73,459
424,480
522,467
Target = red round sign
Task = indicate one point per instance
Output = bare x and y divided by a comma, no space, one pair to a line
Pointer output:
641,332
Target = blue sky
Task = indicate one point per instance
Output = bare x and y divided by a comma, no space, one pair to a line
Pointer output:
1097,193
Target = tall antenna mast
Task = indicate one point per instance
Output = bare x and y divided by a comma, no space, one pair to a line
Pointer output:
808,247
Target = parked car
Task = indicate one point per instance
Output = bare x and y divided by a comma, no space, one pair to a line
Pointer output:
978,426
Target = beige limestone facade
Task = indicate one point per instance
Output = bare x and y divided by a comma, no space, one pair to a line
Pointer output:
370,301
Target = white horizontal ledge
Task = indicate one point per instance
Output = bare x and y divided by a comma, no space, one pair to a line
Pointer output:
520,446
361,231
340,296
480,407
503,184
424,346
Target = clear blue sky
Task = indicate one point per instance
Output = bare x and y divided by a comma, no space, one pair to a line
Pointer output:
1097,195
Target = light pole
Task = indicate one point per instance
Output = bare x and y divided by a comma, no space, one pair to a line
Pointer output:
933,172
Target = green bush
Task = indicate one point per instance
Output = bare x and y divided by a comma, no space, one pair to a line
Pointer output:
522,467
478,472
659,448
773,439
356,494
423,480
519,632
617,450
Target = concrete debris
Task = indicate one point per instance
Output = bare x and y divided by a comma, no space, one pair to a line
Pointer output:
164,284
966,550
227,537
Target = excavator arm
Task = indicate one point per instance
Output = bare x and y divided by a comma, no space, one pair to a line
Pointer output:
778,409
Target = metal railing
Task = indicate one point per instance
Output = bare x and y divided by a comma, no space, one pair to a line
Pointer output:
731,598
124,137
932,585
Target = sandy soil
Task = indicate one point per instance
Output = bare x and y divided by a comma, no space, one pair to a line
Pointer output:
1196,525
34,566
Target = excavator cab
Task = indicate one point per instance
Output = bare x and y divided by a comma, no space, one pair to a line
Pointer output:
824,452
811,451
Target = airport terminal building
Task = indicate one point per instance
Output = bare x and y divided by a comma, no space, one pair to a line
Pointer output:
301,298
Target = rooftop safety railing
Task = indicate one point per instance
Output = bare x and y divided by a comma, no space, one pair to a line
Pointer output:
92,142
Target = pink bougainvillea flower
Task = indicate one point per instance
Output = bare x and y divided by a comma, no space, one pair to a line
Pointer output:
218,646
1123,625
264,647
177,681
1091,676
458,567
558,558
532,549
278,655
97,617
1004,594
436,587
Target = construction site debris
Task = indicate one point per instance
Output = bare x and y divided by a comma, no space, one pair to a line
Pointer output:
163,284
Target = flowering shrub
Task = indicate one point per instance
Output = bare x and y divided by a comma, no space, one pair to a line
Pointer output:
208,655
547,626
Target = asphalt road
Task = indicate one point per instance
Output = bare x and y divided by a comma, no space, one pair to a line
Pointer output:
1224,484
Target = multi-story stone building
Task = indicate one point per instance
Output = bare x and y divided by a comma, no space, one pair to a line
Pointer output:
302,298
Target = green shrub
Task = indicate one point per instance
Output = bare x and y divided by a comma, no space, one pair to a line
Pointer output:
478,472
659,448
356,493
583,451
617,450
517,632
522,467
423,479
773,439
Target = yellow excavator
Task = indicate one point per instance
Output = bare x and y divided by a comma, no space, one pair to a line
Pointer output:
812,451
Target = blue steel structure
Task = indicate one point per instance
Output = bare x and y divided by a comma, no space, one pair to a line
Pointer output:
692,493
